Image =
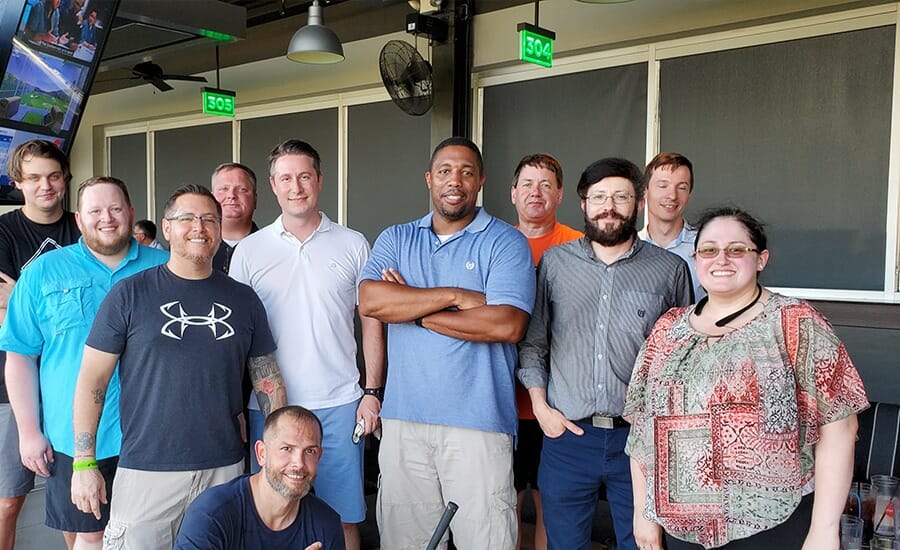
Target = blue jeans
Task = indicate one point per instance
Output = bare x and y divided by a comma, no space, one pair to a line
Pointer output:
572,470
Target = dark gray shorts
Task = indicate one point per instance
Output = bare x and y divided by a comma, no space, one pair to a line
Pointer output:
61,513
15,479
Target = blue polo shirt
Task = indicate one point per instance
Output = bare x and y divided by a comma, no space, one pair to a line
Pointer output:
50,314
436,379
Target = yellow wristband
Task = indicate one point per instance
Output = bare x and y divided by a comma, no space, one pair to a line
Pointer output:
81,465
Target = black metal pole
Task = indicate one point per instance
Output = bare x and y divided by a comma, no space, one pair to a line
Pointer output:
462,68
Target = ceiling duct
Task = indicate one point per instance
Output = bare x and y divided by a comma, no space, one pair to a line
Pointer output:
144,26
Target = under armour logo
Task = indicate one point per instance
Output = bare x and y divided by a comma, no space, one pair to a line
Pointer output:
176,327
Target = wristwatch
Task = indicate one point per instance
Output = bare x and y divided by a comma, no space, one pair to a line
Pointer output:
377,392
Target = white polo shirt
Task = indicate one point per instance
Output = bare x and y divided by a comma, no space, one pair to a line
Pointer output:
309,290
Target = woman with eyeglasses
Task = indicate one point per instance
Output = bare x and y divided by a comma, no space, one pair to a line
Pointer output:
736,404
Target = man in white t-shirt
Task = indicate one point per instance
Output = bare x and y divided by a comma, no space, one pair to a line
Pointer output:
306,268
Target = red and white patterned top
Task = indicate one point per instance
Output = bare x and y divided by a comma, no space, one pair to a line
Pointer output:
725,428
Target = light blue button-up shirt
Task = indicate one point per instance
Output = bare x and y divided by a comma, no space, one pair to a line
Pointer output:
50,314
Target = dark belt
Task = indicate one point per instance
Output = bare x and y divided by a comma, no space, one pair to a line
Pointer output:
605,422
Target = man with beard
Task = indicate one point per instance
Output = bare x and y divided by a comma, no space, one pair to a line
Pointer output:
49,318
597,299
271,508
457,287
183,335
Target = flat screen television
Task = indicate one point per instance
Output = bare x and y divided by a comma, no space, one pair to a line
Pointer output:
49,54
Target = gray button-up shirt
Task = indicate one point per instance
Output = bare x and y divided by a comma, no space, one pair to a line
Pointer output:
590,320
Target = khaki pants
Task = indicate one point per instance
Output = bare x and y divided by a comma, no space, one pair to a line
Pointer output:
424,466
147,507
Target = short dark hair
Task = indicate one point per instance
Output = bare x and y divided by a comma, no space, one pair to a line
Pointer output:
190,189
611,168
233,165
97,180
540,160
755,228
146,227
293,411
671,161
294,147
460,142
40,148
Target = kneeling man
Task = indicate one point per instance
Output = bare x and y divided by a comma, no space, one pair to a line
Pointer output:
272,508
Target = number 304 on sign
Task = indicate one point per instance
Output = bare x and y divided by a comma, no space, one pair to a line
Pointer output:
536,45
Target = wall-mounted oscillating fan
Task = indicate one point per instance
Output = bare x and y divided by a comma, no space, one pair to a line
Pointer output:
407,77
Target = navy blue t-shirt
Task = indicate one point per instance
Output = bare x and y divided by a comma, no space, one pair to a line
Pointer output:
225,518
184,346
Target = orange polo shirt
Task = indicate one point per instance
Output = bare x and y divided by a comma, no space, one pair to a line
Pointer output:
558,235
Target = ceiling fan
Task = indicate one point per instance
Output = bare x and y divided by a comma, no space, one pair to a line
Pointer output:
153,73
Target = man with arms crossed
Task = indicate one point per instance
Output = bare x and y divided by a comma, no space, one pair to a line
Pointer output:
305,268
41,172
457,287
49,318
183,334
234,186
537,192
669,181
597,299
272,508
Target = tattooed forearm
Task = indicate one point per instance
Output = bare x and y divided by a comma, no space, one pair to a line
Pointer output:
267,382
84,442
99,396
263,366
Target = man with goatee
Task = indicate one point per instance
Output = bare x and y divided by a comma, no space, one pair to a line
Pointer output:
455,288
50,314
597,299
182,335
271,508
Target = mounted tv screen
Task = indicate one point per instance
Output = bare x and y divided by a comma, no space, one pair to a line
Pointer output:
71,28
41,90
49,53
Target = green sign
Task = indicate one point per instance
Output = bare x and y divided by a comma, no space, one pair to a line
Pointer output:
218,102
217,36
536,45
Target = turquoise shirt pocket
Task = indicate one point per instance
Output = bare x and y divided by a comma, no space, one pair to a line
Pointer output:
65,303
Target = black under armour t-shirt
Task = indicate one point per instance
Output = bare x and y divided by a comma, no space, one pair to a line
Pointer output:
21,241
183,348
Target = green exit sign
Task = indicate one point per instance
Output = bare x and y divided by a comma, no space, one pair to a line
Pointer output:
218,102
536,45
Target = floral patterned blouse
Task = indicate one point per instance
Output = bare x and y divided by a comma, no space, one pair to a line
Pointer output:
725,428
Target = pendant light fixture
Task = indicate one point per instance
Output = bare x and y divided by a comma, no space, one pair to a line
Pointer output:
315,43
